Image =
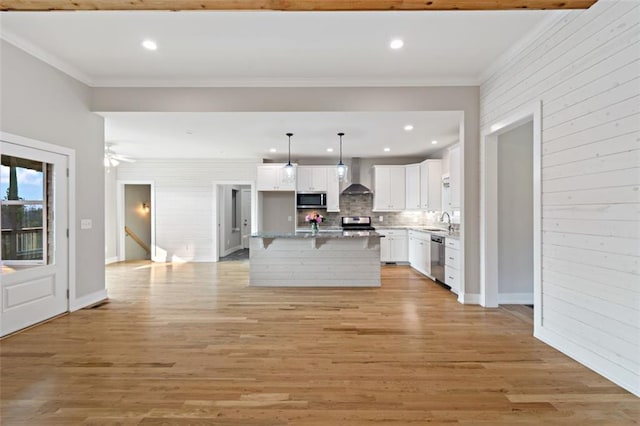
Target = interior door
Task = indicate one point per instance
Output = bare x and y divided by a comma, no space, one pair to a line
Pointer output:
245,220
34,253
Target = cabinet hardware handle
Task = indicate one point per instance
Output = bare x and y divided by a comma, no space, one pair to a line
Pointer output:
450,258
450,277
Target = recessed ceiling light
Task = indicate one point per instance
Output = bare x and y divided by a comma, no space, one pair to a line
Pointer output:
434,142
329,149
272,150
149,45
408,127
396,44
387,149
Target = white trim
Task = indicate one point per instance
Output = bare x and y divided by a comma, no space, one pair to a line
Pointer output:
462,296
120,205
488,206
603,366
299,82
71,198
88,300
216,211
469,298
515,298
110,260
45,57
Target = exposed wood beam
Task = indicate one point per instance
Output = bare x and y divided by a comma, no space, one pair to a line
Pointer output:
291,5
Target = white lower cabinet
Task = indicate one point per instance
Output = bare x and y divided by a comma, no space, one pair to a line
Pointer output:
393,247
420,251
452,264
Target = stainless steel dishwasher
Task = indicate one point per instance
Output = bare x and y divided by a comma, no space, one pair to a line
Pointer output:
437,257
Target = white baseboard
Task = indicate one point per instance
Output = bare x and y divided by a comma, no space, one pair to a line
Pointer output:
515,298
89,299
469,298
110,260
601,365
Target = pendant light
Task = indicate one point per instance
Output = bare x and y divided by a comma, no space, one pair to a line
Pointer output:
289,171
341,169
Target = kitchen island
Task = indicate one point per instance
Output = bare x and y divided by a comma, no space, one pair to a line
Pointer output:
324,259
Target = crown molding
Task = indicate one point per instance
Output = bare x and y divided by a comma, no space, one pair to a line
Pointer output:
45,57
515,49
275,82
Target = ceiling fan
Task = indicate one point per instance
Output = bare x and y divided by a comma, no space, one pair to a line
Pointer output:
111,159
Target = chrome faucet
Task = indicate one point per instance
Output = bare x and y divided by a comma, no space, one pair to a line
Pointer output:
449,217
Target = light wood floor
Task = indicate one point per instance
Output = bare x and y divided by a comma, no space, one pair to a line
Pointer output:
191,344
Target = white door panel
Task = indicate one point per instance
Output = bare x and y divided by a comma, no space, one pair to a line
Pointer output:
34,291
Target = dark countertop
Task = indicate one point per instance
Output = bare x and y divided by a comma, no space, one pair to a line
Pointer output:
322,234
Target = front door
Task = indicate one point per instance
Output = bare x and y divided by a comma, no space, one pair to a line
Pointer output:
34,249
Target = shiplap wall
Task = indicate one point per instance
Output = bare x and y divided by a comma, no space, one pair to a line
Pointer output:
184,202
585,68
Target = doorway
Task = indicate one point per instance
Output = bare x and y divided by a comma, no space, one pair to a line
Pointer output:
234,221
511,212
35,244
137,222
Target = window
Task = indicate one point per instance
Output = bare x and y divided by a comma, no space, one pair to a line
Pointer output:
23,210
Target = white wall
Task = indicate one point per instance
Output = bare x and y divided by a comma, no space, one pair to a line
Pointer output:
515,215
585,67
42,103
183,207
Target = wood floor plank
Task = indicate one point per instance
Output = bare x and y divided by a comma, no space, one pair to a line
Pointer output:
192,344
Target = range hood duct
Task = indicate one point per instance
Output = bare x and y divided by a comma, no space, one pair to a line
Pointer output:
356,188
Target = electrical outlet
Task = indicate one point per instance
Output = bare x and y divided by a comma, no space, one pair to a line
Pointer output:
86,224
289,218
380,218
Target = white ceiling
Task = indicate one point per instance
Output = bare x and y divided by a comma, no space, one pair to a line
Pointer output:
269,48
253,134
272,49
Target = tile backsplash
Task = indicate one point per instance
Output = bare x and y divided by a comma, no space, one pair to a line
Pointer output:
361,205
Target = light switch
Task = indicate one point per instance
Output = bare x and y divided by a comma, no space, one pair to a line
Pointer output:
289,218
86,224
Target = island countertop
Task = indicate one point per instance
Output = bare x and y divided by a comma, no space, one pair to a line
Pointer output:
321,234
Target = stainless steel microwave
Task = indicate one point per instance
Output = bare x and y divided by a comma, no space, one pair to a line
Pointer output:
307,200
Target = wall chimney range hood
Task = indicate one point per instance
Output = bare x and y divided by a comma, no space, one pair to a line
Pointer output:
356,188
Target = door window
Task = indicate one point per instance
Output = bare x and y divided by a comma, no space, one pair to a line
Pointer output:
23,211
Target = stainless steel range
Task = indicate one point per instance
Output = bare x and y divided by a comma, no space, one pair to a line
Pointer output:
357,223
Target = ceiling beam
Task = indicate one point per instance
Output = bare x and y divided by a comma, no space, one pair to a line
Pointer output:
291,5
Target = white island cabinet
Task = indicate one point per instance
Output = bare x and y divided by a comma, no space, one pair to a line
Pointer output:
325,259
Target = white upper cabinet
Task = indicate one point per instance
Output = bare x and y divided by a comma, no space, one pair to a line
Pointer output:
389,188
431,185
272,178
454,178
412,174
312,179
333,190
